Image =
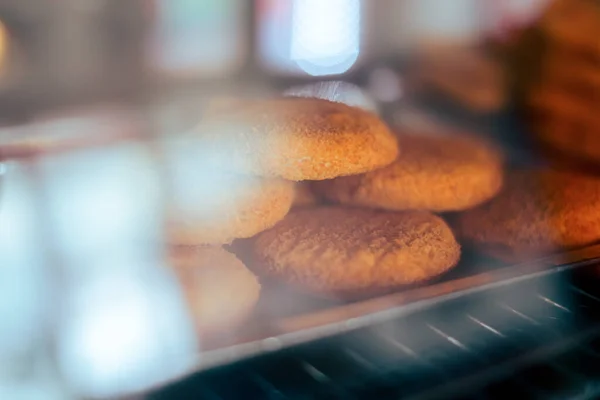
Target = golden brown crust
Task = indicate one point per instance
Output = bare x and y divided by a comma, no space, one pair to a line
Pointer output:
565,122
438,173
573,24
297,139
337,250
228,207
568,137
538,212
554,102
577,75
220,291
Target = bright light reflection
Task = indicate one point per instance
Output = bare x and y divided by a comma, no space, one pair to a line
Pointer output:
102,201
41,383
125,330
32,390
202,194
325,35
22,285
338,91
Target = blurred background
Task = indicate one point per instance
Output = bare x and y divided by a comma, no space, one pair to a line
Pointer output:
65,53
92,92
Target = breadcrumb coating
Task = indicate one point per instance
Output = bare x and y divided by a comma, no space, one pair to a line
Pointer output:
538,212
241,208
220,291
337,250
437,173
297,139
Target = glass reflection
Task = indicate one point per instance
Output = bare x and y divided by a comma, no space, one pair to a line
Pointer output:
312,37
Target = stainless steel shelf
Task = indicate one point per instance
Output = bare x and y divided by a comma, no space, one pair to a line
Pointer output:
429,348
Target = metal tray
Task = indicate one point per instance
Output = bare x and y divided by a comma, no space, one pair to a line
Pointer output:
320,319
537,337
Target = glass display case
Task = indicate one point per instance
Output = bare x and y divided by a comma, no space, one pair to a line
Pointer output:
299,199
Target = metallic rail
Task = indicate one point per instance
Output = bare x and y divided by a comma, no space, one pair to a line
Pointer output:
371,332
509,339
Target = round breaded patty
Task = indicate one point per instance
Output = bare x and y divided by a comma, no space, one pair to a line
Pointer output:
573,24
220,291
296,139
438,173
570,138
346,251
222,207
566,123
537,212
563,93
552,100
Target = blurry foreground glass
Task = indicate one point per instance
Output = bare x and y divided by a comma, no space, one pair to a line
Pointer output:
198,37
25,366
118,321
449,59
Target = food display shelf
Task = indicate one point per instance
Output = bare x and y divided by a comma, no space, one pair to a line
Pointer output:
431,342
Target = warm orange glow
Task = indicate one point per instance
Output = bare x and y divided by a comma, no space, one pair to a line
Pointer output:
4,42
